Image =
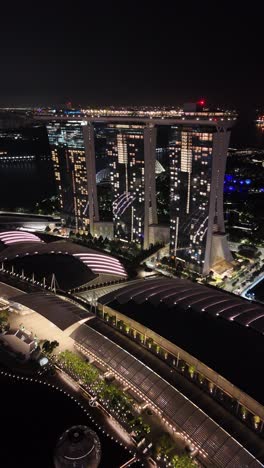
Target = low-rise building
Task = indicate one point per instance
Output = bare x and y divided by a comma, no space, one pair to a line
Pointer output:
19,342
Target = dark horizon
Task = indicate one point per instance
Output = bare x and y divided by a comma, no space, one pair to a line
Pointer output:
108,54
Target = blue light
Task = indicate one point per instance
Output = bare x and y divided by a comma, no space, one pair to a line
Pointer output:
229,178
248,181
230,187
72,112
241,182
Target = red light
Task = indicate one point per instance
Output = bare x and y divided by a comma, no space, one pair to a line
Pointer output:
201,102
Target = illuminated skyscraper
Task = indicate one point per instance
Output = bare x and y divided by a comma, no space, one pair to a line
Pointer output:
198,151
72,150
131,151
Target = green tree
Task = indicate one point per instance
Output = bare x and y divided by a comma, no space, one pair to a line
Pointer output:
182,461
100,240
116,399
191,371
89,236
4,320
54,344
49,346
164,445
146,428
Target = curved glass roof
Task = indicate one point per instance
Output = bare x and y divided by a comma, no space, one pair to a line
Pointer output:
15,237
219,447
96,262
58,311
187,295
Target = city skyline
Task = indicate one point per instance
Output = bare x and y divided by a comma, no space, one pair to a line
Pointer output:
132,234
198,146
83,295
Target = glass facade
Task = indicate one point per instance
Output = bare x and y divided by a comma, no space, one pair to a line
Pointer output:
66,134
191,154
129,148
125,149
69,162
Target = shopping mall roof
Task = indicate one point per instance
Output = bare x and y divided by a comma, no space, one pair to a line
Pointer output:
62,313
221,330
16,237
60,258
218,445
183,294
96,261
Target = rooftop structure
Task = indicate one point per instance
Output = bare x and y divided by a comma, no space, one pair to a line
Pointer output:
215,444
185,295
19,342
78,447
99,263
61,312
16,237
60,258
203,321
160,114
26,221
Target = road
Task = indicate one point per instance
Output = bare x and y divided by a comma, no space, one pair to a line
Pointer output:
252,285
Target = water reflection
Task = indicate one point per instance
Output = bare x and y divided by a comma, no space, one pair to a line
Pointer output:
24,184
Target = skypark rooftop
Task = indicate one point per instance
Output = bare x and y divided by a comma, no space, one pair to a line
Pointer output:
176,115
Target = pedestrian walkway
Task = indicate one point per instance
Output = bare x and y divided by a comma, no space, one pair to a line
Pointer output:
229,422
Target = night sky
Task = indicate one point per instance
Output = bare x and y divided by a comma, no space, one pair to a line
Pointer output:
131,53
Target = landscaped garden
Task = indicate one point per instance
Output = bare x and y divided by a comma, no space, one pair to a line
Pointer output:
121,406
